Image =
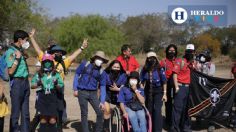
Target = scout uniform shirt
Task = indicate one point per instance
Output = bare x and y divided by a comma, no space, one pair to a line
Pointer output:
168,65
59,68
89,78
47,80
182,70
22,68
156,79
126,95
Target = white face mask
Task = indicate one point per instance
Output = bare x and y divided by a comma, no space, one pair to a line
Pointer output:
133,82
202,59
26,45
98,62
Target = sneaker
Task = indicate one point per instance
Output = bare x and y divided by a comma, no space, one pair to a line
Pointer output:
211,128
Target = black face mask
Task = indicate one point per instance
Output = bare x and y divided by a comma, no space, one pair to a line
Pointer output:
114,74
151,62
115,71
58,58
189,57
170,55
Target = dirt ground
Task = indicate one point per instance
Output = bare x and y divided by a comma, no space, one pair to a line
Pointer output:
73,108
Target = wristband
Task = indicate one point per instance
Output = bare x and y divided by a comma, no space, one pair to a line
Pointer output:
82,48
136,91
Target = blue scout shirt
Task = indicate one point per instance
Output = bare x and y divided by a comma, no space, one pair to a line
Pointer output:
156,81
125,95
88,78
22,69
119,82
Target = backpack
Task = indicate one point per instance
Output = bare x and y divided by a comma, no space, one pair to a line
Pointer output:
3,68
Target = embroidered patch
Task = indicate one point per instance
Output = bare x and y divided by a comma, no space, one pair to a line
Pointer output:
11,57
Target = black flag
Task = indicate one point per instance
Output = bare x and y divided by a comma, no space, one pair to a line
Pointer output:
210,97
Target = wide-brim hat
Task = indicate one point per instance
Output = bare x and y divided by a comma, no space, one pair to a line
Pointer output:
56,49
101,55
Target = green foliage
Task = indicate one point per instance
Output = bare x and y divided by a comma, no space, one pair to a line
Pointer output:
22,14
101,34
205,41
145,31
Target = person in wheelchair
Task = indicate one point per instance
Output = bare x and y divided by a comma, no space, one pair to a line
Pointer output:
153,79
131,99
116,78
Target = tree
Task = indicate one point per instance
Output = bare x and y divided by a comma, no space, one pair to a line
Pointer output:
101,34
205,41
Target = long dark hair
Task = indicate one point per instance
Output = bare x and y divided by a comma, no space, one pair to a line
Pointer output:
172,46
109,68
157,65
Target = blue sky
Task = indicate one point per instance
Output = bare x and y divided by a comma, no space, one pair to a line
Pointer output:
59,8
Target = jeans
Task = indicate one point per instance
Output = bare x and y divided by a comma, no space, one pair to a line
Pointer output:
137,119
19,93
91,97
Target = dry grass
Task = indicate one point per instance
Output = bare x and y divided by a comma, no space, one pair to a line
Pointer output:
73,110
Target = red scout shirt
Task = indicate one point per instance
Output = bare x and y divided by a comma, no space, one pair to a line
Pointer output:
168,65
129,65
182,70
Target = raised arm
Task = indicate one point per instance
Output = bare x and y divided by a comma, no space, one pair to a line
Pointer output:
34,43
78,51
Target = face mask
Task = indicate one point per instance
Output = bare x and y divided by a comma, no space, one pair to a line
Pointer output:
98,62
115,71
170,55
133,82
25,45
58,58
189,57
47,66
202,59
151,62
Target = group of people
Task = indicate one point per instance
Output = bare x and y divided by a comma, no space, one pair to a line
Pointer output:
123,83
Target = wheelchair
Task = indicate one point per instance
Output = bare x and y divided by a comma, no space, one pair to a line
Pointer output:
118,123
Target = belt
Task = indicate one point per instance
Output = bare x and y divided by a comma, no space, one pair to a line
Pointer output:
20,78
183,84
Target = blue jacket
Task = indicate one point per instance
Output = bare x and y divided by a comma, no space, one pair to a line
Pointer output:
90,78
125,95
119,82
156,80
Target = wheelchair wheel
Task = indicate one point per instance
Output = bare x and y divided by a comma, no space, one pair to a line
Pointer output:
115,121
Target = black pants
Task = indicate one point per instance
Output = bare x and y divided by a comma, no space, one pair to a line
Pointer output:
169,103
1,124
154,106
91,97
